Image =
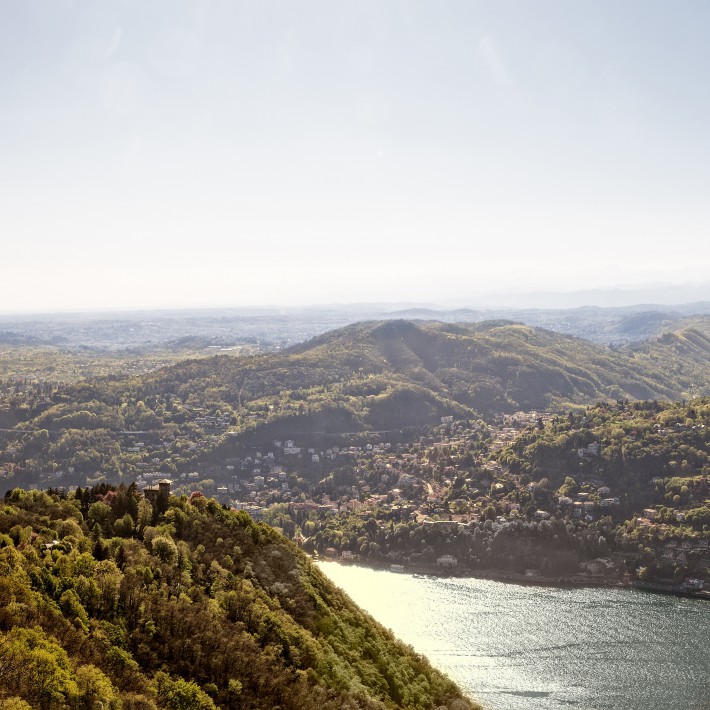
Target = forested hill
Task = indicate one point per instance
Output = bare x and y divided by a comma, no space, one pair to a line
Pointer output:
105,603
389,374
374,376
683,352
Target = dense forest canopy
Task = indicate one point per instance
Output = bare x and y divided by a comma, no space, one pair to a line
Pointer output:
105,599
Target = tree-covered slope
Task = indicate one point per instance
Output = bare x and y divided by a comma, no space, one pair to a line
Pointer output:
397,373
637,443
683,353
370,376
203,608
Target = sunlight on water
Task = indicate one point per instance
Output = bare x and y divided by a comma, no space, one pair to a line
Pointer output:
536,648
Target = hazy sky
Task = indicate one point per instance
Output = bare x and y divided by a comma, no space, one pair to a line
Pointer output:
158,153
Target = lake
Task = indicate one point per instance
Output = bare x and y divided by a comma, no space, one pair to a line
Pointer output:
516,647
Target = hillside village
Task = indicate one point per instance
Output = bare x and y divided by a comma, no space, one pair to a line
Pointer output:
457,498
454,480
615,491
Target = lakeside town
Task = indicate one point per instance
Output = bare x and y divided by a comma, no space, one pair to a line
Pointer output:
450,499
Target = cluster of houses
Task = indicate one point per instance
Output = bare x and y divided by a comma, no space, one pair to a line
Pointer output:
590,451
683,551
213,422
443,562
586,505
509,426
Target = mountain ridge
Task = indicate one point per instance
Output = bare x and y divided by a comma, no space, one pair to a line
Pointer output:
458,369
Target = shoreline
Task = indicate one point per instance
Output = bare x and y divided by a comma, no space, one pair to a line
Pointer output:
560,582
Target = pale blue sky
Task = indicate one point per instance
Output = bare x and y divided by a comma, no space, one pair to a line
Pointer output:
222,153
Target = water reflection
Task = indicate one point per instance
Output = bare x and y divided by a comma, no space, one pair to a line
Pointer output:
536,648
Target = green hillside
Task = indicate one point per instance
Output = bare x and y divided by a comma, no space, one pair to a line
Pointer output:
626,482
683,352
372,376
638,442
104,603
382,375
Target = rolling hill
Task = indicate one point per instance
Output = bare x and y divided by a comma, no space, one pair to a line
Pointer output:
392,374
372,376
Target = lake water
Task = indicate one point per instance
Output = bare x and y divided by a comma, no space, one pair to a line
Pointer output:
538,648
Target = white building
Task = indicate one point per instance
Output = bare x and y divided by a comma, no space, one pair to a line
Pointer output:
446,561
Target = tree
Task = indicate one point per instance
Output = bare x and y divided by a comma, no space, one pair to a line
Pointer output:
489,513
124,527
100,514
72,608
95,687
164,549
569,487
36,668
145,514
181,694
14,704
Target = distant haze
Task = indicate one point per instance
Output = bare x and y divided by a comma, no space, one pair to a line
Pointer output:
649,294
184,153
693,297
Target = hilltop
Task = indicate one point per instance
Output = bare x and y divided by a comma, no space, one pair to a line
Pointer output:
105,601
391,374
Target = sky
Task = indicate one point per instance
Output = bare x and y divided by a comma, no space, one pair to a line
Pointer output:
173,153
